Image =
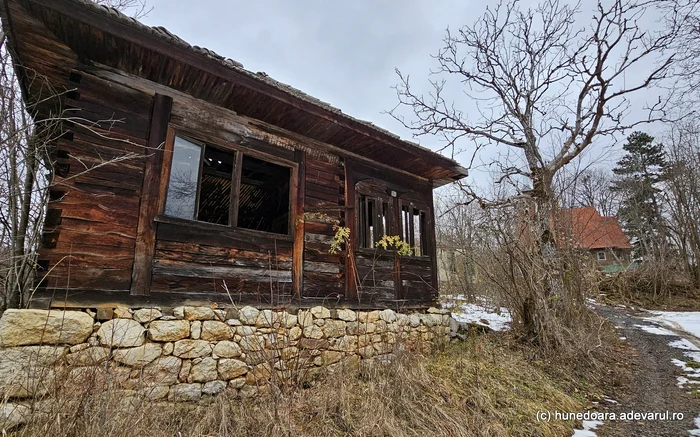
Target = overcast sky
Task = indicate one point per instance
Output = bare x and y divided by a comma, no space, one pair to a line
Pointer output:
343,53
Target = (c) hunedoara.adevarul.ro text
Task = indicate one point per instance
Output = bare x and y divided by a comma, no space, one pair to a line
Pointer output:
548,416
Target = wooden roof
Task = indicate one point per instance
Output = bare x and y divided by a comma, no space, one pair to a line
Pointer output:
92,34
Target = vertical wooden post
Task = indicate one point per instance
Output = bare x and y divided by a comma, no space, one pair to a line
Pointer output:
351,223
146,229
431,245
396,224
298,254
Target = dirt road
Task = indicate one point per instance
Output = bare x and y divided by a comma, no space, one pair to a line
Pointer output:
655,387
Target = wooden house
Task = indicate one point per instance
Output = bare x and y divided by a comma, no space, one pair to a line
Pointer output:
182,178
600,237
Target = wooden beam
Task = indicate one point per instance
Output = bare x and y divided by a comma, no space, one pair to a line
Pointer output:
432,244
148,208
298,217
395,224
350,222
111,299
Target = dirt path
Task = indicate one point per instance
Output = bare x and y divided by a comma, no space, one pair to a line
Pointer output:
655,386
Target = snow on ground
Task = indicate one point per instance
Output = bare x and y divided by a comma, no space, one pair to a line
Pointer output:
481,314
684,344
588,427
655,330
696,431
688,321
680,321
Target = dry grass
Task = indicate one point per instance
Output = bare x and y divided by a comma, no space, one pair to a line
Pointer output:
486,386
652,287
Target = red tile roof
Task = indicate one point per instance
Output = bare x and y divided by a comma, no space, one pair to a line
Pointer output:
593,231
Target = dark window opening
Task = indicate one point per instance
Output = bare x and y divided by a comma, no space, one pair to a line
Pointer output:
366,222
414,229
216,186
264,196
202,183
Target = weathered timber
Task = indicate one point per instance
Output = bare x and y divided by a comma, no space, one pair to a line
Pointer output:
129,91
146,230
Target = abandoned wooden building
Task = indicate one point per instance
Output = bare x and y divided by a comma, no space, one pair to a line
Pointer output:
181,177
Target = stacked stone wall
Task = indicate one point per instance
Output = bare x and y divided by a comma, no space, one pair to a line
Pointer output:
185,353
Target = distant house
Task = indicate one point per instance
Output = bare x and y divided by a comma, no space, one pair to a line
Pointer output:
602,237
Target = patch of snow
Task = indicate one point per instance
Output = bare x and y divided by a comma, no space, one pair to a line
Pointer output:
610,401
695,356
688,321
655,330
696,431
684,345
588,427
623,338
498,319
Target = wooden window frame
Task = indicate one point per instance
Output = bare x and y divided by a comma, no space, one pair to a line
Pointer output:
423,214
239,151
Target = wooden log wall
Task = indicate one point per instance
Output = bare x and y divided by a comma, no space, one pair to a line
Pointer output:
324,206
92,215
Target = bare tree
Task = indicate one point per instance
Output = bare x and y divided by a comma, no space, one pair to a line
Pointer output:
26,167
681,195
544,87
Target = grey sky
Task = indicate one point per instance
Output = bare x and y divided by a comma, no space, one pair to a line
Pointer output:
341,52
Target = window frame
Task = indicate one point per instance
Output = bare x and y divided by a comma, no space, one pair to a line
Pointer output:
601,252
239,151
378,200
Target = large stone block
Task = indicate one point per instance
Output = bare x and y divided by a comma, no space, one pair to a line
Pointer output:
138,356
13,415
216,331
35,327
203,371
162,371
88,357
146,315
185,392
320,312
347,315
199,313
227,349
248,315
168,330
192,348
334,328
28,371
231,369
121,333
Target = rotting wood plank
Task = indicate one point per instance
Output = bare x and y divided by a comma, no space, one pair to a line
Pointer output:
298,257
146,229
351,223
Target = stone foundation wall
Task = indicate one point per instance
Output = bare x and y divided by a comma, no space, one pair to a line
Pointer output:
185,353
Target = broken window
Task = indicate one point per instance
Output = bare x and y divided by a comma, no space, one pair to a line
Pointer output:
203,180
413,229
264,196
374,220
215,189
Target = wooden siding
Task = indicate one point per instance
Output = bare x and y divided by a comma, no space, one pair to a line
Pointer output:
324,206
108,189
